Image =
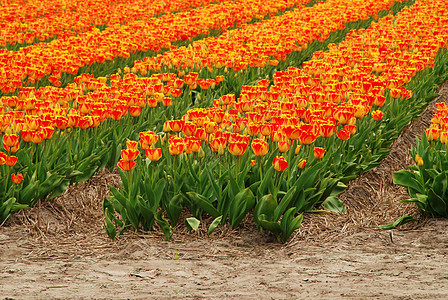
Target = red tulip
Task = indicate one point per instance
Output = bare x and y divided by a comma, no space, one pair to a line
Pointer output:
280,163
16,179
153,154
259,147
318,152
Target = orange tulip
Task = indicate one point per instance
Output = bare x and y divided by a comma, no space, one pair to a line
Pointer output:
129,154
16,178
343,134
47,132
308,137
153,154
432,134
147,139
37,137
444,137
132,145
192,144
377,115
176,148
189,129
135,111
238,148
11,160
301,164
11,142
326,130
283,146
259,147
126,165
350,128
218,143
419,160
280,163
318,152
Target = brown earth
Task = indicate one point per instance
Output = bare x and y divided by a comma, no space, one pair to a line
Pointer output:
60,250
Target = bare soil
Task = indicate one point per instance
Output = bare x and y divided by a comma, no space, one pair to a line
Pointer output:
59,249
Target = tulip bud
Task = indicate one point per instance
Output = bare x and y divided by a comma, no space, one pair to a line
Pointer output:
201,153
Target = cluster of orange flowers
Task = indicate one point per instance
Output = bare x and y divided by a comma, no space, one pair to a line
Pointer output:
89,101
68,55
268,41
28,22
332,90
11,145
438,130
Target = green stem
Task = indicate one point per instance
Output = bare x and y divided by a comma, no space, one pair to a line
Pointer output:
260,166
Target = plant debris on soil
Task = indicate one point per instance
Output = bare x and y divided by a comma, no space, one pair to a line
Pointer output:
59,249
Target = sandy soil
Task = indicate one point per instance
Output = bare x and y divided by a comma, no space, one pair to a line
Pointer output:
60,251
371,264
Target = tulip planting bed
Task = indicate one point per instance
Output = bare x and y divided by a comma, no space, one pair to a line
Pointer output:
219,112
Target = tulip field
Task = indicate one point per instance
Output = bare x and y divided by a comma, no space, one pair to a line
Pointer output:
218,111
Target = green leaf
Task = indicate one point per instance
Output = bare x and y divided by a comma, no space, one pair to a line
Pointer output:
284,203
204,203
335,205
192,224
265,206
164,225
439,184
109,226
240,206
272,226
408,179
339,188
214,224
174,208
289,223
437,204
399,222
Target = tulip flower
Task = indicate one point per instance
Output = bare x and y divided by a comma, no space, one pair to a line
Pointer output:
135,111
301,164
280,163
16,178
148,139
419,160
153,154
47,132
283,146
129,154
176,145
432,134
10,161
132,145
259,147
318,152
126,165
343,134
11,143
444,137
377,115
192,144
238,148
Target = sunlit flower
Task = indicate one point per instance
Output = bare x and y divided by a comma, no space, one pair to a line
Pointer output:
16,178
318,152
153,154
259,147
280,163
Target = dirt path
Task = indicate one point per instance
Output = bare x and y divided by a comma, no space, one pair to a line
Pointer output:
66,255
371,264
